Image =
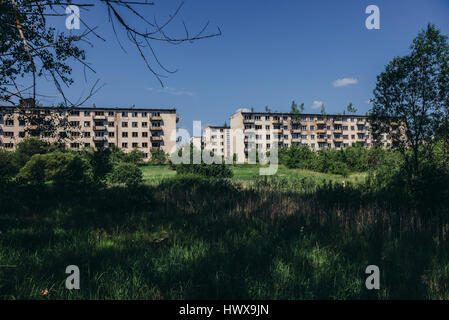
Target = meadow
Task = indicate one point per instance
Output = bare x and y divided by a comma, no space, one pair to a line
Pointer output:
297,235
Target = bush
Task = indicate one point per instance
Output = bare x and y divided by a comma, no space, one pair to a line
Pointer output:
158,157
205,170
28,148
8,165
63,169
126,173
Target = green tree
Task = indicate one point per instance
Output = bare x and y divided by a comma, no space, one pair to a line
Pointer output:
351,109
408,92
29,147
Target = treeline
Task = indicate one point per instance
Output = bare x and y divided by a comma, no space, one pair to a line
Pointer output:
37,162
356,158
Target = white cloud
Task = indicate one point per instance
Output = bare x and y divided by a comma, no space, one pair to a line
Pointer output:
344,82
317,104
173,91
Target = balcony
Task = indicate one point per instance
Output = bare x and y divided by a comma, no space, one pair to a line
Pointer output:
156,138
248,120
277,121
103,117
296,131
277,130
321,131
296,121
338,140
338,121
156,118
338,131
361,121
98,139
322,140
153,128
320,122
394,124
99,128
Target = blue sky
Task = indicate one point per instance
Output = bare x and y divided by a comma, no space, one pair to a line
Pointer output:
270,53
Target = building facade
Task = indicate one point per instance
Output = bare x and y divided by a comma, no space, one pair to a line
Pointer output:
217,139
126,128
263,130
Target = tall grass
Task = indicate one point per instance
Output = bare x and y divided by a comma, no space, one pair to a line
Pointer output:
188,237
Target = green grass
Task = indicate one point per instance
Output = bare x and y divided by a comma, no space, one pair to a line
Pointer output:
197,238
247,173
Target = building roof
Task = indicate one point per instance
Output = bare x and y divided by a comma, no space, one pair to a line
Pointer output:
92,108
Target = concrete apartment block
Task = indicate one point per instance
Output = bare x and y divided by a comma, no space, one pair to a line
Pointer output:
218,140
263,130
126,128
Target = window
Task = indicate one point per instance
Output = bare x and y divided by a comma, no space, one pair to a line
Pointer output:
21,123
135,145
267,117
312,128
87,123
268,146
22,134
111,134
134,114
124,124
74,123
257,117
268,137
267,127
9,145
75,134
134,124
124,145
111,124
86,113
74,113
144,134
135,134
258,127
144,114
111,113
9,123
86,134
144,124
124,134
74,145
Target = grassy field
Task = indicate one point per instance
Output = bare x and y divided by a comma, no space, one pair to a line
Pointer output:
197,238
246,173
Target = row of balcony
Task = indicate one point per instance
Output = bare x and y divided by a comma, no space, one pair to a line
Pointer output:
104,117
152,138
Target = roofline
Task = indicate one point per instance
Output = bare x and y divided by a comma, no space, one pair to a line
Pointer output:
218,127
299,114
97,108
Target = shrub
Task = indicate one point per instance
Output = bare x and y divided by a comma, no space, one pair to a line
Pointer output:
8,167
126,173
63,169
134,157
34,171
28,148
158,157
205,170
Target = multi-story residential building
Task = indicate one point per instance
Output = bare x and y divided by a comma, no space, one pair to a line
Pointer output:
126,128
263,130
218,140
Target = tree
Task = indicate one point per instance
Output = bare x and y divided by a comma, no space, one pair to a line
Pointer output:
267,110
29,147
158,157
351,109
409,95
31,48
323,111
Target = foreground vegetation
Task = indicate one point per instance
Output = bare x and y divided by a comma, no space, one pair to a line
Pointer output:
296,235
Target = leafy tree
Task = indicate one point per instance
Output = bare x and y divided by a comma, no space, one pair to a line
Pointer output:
409,92
29,147
351,109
